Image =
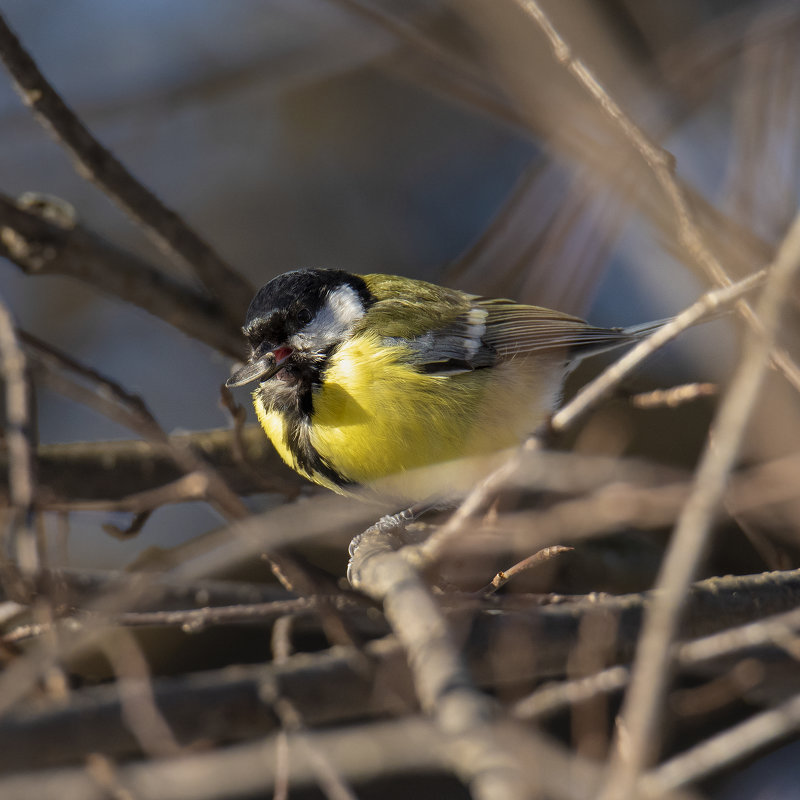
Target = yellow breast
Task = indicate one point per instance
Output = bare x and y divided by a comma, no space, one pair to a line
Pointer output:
376,416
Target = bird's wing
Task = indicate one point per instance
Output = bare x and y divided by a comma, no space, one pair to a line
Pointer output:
450,332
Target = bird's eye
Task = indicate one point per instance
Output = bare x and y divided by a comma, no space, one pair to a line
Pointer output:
303,316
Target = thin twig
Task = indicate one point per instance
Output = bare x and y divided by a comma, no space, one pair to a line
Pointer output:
662,165
550,698
243,539
137,703
39,246
723,749
128,409
110,471
674,396
339,685
197,619
543,556
642,709
95,162
82,587
409,746
707,304
21,478
329,780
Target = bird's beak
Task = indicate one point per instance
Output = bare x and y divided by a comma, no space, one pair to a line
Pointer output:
262,368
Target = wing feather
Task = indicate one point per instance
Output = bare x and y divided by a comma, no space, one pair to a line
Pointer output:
450,332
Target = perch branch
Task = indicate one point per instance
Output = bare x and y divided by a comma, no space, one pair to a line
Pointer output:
442,682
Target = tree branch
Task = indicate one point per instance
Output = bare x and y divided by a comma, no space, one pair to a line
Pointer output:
95,162
642,709
39,246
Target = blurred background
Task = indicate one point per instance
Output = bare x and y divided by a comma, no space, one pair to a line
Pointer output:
437,140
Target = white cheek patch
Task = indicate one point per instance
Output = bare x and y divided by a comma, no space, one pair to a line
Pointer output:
341,311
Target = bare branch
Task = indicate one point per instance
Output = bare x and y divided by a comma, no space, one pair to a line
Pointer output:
403,747
341,684
541,557
21,478
770,631
38,246
674,396
73,474
641,712
96,163
662,165
140,713
723,749
441,679
707,304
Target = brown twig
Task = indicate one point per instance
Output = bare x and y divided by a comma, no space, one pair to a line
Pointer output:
723,749
39,246
197,619
329,780
708,304
82,587
71,474
443,685
397,747
543,556
339,685
243,539
641,712
96,163
115,402
674,396
662,165
770,631
137,702
21,478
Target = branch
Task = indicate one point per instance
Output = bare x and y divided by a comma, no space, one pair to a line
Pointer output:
109,471
95,162
662,165
340,685
613,375
219,551
641,711
79,588
396,748
39,246
21,477
443,685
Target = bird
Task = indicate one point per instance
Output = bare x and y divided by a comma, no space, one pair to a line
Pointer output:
387,386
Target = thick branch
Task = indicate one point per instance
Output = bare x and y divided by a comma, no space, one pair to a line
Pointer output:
339,685
110,471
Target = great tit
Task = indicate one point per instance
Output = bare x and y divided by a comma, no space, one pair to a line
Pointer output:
364,379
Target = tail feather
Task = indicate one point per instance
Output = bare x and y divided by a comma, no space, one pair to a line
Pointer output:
599,340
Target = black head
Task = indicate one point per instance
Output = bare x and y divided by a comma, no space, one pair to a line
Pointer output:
288,303
298,318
